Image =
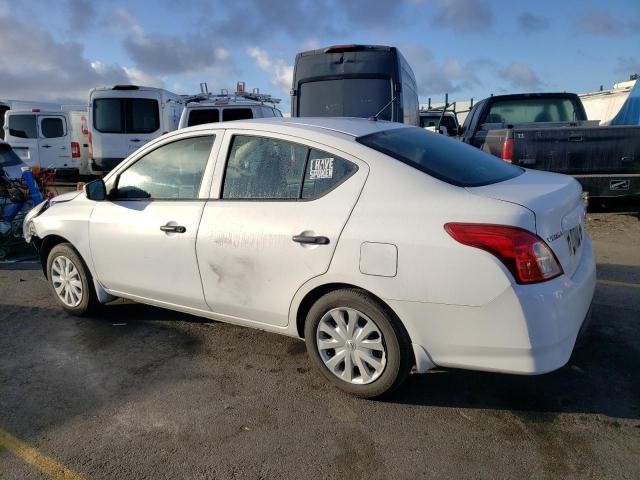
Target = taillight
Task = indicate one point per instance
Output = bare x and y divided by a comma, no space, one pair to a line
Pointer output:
526,256
507,150
75,150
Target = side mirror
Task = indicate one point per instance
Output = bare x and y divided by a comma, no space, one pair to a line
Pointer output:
96,190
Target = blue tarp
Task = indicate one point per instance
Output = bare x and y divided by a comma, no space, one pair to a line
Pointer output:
629,114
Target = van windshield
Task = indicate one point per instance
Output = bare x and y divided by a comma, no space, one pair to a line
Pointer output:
345,97
126,115
441,157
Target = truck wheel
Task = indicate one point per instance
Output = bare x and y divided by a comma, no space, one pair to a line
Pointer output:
70,281
356,344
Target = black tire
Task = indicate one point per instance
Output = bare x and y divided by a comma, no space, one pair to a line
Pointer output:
89,301
399,356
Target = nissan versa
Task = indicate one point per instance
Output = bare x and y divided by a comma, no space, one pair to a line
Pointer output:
384,246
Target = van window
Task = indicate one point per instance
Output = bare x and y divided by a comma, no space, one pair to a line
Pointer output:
229,114
142,115
172,171
347,97
199,116
267,112
23,126
126,115
264,168
52,127
441,157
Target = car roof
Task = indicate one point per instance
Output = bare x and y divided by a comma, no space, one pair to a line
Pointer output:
354,127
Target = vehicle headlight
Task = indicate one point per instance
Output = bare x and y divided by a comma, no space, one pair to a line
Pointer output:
28,227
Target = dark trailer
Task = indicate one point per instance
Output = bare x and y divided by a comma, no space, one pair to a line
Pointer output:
354,81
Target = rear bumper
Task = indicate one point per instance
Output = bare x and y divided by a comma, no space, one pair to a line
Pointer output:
610,185
104,164
528,329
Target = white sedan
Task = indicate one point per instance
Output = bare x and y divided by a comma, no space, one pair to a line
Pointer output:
384,246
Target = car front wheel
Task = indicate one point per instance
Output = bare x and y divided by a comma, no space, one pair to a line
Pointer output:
357,344
70,280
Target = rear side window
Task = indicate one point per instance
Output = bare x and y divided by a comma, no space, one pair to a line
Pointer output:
23,126
532,110
126,115
229,114
200,116
52,127
270,168
266,168
443,158
324,172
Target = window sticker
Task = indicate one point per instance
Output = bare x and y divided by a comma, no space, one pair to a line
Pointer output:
321,168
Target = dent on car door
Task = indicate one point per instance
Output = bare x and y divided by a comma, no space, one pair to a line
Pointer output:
143,238
280,210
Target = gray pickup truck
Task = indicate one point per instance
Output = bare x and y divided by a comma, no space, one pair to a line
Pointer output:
550,131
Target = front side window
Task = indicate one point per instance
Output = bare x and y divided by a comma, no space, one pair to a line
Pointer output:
126,115
267,168
173,171
229,114
200,116
23,126
443,158
52,127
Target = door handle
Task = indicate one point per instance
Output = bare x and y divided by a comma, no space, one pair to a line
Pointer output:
46,146
173,228
136,140
575,138
310,240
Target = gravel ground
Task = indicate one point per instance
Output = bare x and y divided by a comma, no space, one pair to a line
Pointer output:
140,392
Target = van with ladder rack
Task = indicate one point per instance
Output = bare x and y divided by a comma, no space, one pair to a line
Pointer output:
223,107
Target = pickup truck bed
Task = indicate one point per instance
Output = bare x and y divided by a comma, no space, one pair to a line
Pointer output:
604,159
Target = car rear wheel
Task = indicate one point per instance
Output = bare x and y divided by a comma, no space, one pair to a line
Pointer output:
357,344
71,281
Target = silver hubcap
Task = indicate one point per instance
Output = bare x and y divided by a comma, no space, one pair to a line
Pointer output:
351,346
66,281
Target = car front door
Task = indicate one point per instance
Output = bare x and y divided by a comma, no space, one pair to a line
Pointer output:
54,143
143,238
279,208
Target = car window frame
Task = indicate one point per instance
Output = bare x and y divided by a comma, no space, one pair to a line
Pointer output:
113,178
225,152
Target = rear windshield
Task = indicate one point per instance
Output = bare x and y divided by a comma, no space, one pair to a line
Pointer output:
23,126
533,110
229,114
200,116
348,97
126,115
8,157
446,159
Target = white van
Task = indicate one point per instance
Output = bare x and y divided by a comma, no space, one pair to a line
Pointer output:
123,118
225,107
42,138
6,105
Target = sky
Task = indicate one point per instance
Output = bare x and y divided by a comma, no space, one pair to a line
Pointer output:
57,50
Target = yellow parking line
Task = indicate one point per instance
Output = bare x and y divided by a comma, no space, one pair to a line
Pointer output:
30,455
615,283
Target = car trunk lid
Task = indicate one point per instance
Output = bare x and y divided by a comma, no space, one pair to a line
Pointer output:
556,201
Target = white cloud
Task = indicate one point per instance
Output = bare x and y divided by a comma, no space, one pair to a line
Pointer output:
521,76
280,71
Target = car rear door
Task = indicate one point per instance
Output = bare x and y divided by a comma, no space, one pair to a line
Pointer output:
266,231
54,142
